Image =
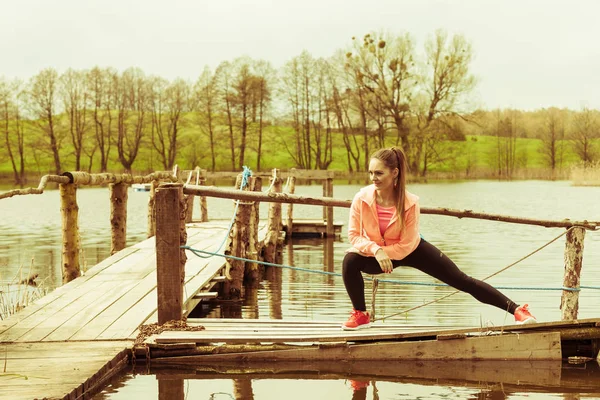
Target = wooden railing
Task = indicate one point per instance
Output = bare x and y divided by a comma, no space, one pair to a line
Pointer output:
573,248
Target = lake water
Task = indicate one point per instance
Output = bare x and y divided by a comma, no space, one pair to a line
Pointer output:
31,230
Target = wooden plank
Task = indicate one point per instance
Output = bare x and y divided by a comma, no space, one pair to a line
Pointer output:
546,373
63,290
79,294
532,346
56,319
206,295
71,327
46,370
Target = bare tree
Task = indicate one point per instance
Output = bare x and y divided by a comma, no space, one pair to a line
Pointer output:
12,125
552,136
262,90
298,90
445,81
586,129
224,77
323,116
205,102
168,102
383,65
241,99
102,87
75,100
42,92
341,98
132,107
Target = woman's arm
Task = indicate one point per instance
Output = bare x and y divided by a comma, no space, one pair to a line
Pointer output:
409,238
359,241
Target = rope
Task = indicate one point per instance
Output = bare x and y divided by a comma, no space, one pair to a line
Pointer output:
246,173
487,277
200,253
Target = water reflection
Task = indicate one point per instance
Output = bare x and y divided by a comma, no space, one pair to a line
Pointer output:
364,380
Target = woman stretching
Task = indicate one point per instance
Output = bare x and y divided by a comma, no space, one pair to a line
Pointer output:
384,232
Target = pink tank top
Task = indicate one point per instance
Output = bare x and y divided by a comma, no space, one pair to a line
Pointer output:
384,214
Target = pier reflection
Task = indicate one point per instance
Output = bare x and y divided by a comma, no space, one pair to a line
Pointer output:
376,380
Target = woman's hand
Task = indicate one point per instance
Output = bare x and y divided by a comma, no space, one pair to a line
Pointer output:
384,261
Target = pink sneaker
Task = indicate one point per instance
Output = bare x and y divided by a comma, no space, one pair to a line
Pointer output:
358,320
358,385
523,316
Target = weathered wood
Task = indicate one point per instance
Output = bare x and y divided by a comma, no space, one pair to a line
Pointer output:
84,178
206,295
56,371
530,346
435,372
40,189
168,264
152,209
237,245
202,199
328,210
253,272
242,389
290,207
171,389
274,224
70,232
118,216
299,173
569,302
320,201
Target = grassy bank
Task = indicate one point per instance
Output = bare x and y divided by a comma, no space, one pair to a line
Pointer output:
474,158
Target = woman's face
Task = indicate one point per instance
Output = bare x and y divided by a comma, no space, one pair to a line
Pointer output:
382,177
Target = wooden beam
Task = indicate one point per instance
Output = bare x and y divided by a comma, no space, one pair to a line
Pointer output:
530,346
321,201
70,232
118,216
569,301
168,266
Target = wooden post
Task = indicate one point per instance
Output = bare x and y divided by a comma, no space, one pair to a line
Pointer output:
151,231
70,232
290,206
569,302
274,224
237,245
203,204
170,389
189,199
253,271
329,209
242,389
118,216
168,265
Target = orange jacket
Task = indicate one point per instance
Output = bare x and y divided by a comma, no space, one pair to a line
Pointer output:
363,226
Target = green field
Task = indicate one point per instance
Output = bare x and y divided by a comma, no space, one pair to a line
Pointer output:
474,158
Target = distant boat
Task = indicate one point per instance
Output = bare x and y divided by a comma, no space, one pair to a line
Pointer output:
141,187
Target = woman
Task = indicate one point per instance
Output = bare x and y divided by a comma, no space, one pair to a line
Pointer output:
384,232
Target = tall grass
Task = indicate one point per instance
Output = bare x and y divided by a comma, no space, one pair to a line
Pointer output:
19,292
586,175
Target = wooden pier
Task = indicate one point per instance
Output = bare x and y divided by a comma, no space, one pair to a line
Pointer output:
73,339
70,342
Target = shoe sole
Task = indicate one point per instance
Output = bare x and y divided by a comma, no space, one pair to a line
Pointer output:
527,321
363,326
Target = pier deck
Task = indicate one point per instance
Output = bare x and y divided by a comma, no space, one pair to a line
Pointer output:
65,342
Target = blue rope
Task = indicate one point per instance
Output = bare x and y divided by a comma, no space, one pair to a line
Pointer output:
197,253
246,173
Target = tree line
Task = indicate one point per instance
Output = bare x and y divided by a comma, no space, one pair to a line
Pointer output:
378,91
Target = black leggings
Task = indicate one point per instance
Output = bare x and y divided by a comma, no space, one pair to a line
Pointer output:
428,259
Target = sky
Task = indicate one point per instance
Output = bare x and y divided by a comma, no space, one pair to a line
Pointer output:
529,54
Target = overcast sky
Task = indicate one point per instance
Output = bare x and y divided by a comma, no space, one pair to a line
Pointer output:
528,53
